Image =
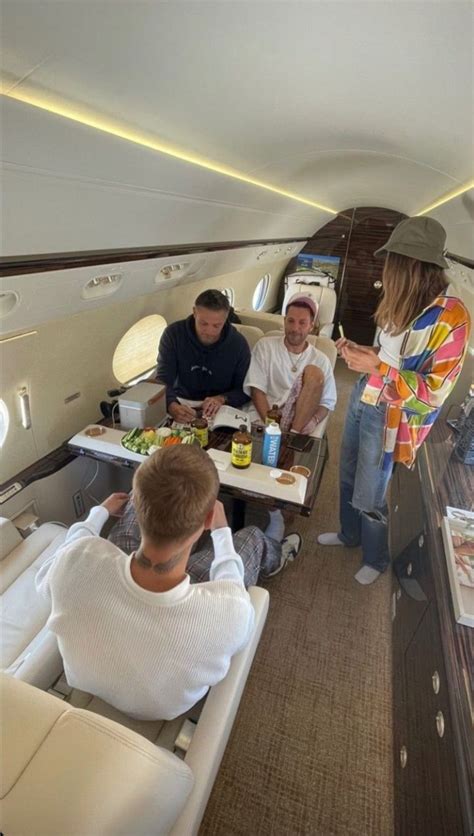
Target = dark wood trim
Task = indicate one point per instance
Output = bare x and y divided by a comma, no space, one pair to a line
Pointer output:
44,262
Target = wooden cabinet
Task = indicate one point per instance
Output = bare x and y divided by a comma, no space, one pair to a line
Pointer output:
429,769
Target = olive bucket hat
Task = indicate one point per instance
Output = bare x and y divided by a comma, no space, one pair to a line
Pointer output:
421,238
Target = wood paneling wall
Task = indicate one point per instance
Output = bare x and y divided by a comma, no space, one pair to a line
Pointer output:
354,235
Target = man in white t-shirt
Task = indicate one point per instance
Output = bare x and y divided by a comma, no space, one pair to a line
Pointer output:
133,629
292,373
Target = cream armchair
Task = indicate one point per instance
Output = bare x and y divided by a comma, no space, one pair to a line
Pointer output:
28,650
324,296
72,764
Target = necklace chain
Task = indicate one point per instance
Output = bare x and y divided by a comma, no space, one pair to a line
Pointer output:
295,363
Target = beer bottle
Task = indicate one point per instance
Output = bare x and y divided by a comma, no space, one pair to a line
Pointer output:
201,432
273,415
241,455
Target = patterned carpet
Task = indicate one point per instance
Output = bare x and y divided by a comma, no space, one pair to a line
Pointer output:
311,748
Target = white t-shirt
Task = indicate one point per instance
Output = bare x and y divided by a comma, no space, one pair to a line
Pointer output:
271,371
152,655
390,348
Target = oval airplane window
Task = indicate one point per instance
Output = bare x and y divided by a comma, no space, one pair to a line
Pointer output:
260,292
137,350
4,421
228,292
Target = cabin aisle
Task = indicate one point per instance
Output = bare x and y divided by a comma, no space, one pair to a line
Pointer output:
311,749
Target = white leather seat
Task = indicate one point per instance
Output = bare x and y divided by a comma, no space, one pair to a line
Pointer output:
251,333
262,319
27,649
52,787
68,771
325,297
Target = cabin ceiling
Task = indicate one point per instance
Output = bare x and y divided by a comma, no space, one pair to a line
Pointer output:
343,103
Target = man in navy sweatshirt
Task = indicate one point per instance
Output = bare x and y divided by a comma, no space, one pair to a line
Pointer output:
203,359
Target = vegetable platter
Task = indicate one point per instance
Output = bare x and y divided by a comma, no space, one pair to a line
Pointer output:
146,441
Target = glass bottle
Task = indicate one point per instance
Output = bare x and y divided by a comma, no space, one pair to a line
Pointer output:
273,415
201,431
241,455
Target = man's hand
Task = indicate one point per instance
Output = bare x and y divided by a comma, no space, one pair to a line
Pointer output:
219,519
115,503
212,405
181,413
361,359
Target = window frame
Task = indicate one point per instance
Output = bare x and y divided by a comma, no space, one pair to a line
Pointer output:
261,292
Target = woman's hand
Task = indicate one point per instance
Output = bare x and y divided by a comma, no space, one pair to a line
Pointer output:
342,342
361,359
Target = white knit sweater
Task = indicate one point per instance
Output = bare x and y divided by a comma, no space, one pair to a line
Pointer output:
152,655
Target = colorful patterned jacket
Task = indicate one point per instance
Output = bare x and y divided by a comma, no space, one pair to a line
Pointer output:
432,355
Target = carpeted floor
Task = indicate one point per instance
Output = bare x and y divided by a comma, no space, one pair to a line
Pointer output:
311,747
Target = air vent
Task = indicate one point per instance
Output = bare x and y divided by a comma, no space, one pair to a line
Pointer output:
8,302
178,270
101,286
174,271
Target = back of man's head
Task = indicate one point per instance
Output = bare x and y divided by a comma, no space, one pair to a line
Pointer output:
213,300
173,492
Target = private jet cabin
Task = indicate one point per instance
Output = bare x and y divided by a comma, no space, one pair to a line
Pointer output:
152,151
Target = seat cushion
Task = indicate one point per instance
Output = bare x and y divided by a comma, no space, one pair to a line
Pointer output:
23,612
72,772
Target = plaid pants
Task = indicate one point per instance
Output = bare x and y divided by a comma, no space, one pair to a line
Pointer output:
260,554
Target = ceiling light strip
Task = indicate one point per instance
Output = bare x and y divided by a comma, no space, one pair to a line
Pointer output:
447,197
17,337
100,123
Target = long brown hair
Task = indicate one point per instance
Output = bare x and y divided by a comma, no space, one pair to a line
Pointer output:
409,286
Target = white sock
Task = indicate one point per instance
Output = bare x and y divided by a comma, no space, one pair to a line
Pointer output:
366,575
276,527
330,539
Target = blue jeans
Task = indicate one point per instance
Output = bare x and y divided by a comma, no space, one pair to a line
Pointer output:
363,484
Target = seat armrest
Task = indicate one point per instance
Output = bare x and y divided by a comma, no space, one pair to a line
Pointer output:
215,723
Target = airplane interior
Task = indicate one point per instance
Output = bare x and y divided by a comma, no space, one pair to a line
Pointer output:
153,151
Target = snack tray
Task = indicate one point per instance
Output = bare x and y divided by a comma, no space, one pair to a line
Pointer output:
107,445
255,478
258,478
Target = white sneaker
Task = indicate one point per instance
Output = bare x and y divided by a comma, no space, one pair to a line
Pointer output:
290,548
366,575
329,539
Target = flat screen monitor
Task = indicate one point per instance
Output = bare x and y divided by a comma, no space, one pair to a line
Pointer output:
328,265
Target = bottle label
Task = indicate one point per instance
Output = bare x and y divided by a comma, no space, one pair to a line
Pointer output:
241,455
271,449
202,435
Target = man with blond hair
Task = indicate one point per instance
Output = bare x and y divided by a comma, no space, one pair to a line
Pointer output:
133,629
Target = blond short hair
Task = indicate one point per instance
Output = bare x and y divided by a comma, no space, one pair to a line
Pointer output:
173,492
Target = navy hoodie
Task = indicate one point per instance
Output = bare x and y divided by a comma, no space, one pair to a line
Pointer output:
195,371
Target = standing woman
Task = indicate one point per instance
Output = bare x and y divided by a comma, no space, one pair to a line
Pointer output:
403,384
